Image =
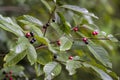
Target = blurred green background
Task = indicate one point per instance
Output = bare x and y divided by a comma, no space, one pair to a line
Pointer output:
108,12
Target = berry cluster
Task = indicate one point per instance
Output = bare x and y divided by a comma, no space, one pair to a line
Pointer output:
48,24
95,33
30,36
8,75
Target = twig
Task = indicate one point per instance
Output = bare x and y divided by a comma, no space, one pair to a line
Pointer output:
51,15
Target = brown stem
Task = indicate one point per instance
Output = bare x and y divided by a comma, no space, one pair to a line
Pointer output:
40,46
93,38
51,15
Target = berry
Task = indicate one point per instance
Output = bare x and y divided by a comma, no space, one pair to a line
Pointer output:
10,72
10,78
55,56
4,79
86,42
70,58
32,34
6,75
84,39
27,35
95,33
33,40
58,42
4,72
44,27
53,20
48,24
75,29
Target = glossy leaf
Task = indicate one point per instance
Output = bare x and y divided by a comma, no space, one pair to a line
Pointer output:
12,59
65,44
112,38
31,55
33,20
80,10
38,69
33,27
64,25
100,54
17,53
44,56
46,4
103,75
52,68
7,24
71,66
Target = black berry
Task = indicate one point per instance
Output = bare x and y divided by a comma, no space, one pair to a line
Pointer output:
48,24
44,27
55,56
32,34
53,20
86,42
32,40
4,72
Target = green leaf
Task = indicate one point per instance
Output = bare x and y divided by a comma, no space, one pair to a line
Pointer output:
57,28
17,53
79,10
52,69
65,27
7,24
100,54
45,41
44,56
65,44
71,66
31,55
112,38
46,4
33,27
38,69
103,75
33,20
13,58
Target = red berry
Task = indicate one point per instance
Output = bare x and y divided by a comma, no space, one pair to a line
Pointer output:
27,35
58,42
10,78
75,29
6,75
10,72
95,33
70,58
84,39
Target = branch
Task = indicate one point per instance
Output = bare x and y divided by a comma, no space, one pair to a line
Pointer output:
51,15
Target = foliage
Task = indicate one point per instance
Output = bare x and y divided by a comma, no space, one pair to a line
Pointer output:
55,42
